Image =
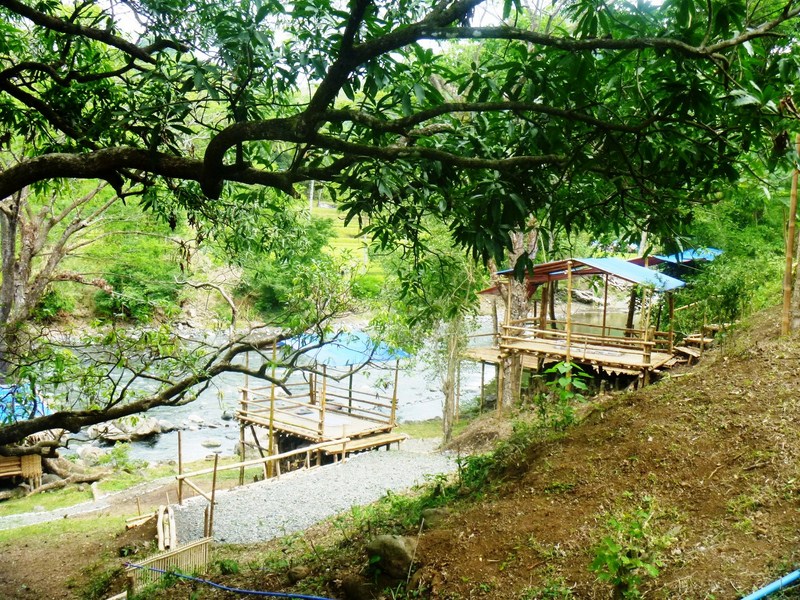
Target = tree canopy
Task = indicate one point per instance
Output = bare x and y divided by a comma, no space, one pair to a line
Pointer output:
608,112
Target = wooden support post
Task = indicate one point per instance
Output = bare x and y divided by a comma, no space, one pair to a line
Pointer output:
671,302
260,450
569,312
242,450
500,386
483,385
350,393
213,495
269,466
605,303
394,393
545,300
180,468
322,403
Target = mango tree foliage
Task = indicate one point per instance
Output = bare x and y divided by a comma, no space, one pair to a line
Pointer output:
617,112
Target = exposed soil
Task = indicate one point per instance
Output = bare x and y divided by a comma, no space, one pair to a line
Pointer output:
712,452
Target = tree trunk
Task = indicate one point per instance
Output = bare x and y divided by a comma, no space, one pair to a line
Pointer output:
454,334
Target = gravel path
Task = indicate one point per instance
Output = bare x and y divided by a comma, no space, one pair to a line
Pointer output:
270,509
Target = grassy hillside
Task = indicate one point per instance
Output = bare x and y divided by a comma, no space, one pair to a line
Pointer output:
686,489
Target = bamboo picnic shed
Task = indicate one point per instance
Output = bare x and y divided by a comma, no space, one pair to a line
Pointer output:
321,407
18,403
538,339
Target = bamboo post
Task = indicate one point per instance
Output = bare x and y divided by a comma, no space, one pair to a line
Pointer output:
605,303
500,387
790,235
213,495
671,301
242,452
180,469
545,298
350,393
483,392
322,402
394,393
271,450
569,312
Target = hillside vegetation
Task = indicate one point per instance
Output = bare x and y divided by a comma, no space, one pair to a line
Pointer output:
688,488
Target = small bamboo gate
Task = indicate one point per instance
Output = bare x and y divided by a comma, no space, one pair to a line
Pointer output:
189,558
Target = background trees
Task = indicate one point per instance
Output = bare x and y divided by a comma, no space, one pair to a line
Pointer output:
606,117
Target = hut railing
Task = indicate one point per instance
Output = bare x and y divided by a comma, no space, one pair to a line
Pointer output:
643,346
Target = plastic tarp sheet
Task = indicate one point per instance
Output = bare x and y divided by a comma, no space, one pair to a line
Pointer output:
633,273
691,254
17,403
345,349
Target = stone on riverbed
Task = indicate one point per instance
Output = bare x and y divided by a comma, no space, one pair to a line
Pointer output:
125,430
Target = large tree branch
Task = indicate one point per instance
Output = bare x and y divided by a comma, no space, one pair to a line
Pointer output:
402,126
105,164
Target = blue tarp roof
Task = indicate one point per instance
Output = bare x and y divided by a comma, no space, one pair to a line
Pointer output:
345,349
18,404
691,254
633,273
624,269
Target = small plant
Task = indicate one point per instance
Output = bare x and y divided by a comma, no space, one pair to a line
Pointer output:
567,385
227,566
119,457
631,551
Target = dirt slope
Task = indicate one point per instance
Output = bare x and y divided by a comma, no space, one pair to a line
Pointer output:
714,452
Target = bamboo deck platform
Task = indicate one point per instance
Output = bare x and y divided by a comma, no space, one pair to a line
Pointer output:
303,423
614,360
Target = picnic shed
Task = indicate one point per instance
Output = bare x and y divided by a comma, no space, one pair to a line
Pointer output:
539,339
324,406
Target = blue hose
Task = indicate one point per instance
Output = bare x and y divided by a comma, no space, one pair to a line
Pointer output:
230,589
776,585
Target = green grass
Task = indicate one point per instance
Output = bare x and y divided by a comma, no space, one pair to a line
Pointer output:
346,238
64,527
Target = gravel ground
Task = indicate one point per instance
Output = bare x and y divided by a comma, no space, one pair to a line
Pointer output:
270,509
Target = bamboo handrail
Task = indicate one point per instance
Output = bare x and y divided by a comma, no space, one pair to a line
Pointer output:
259,461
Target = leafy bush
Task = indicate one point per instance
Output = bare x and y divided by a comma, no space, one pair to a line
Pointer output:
52,304
631,550
140,290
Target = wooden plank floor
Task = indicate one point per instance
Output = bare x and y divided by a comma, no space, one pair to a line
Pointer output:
594,354
303,423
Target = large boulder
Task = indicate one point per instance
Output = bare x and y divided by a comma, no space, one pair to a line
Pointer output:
125,430
395,554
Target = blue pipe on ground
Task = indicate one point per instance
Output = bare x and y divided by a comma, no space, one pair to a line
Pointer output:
776,585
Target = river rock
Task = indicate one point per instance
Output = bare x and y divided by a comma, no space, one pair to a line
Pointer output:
145,428
125,430
211,443
227,415
195,419
91,455
166,426
396,553
434,517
